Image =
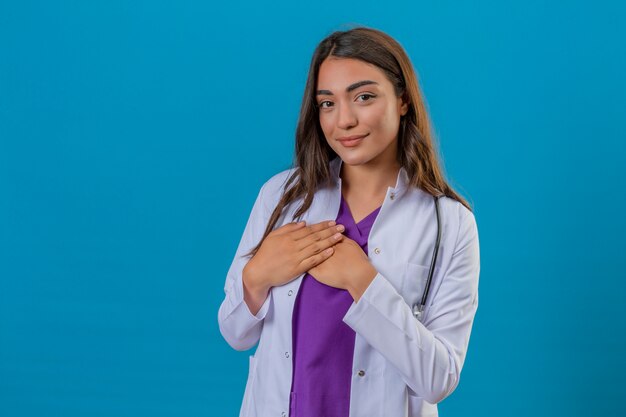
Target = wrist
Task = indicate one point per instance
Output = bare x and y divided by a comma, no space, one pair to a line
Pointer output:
362,280
252,283
254,294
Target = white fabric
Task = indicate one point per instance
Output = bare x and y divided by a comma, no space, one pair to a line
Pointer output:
408,366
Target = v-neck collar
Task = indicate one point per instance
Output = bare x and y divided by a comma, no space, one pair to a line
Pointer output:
373,213
363,227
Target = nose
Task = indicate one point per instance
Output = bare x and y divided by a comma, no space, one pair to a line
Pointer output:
346,118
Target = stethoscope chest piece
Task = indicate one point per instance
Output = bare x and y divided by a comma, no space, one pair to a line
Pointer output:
418,311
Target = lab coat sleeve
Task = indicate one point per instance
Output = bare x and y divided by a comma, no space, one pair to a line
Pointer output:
428,356
238,325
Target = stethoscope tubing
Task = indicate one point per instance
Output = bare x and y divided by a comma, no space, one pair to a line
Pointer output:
418,309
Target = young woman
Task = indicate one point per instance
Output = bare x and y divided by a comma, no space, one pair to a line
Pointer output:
331,273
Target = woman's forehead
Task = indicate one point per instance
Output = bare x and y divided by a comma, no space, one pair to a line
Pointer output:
342,73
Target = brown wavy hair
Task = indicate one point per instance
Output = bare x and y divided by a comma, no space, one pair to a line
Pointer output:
416,151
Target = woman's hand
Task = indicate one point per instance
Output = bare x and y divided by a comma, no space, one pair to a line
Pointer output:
347,268
289,251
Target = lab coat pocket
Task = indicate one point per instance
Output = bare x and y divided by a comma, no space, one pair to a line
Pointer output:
248,396
414,284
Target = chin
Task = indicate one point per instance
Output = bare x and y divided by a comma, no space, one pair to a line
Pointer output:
350,159
354,158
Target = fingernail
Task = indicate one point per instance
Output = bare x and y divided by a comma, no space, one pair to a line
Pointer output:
331,223
340,228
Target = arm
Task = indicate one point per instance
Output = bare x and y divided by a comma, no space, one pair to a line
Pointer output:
238,325
429,356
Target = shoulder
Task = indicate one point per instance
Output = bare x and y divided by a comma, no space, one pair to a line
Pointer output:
448,206
464,221
273,188
458,220
455,208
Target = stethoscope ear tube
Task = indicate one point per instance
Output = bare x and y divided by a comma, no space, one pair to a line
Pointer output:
418,309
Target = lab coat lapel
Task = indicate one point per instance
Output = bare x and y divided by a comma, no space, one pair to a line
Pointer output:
326,201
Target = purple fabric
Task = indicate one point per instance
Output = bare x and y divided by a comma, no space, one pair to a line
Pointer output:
323,345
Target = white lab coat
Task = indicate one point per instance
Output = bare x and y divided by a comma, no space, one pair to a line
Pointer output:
407,367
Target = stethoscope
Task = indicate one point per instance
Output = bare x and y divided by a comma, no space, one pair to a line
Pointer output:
418,309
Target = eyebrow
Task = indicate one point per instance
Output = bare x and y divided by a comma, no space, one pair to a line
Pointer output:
350,88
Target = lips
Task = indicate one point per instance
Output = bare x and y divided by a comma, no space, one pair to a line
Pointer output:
345,138
351,141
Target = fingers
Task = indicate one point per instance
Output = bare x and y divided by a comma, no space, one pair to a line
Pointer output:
319,246
308,243
310,229
321,240
313,261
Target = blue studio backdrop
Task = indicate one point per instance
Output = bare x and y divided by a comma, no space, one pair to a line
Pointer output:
135,135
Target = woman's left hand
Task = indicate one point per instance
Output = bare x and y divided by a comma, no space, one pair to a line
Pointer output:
347,268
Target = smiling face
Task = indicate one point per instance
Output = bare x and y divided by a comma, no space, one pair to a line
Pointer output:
358,111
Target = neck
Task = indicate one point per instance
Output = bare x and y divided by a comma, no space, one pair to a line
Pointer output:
371,180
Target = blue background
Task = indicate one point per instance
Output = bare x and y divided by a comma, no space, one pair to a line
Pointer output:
134,137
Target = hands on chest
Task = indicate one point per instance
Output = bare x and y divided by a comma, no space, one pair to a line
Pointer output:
347,268
320,249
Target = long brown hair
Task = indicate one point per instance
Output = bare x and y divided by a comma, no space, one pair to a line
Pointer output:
416,152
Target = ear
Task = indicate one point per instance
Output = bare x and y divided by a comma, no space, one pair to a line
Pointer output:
404,107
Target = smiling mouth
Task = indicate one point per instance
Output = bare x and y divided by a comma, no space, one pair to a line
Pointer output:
351,141
352,137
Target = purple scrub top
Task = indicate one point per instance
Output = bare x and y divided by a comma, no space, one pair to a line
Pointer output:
323,345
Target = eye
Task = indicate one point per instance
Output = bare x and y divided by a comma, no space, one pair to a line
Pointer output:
321,105
367,96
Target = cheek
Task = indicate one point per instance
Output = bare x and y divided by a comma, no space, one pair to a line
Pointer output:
378,119
326,123
390,121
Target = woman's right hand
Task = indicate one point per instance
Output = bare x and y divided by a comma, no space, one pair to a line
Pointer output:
287,252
